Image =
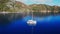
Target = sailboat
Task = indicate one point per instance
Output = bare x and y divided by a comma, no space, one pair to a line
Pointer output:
31,21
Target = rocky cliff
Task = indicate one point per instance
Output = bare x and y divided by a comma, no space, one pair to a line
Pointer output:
14,7
42,9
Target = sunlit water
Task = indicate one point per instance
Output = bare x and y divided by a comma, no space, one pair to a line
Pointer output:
44,24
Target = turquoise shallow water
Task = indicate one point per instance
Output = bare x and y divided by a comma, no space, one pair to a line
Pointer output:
49,24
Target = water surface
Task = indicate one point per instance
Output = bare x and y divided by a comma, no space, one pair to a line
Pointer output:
49,24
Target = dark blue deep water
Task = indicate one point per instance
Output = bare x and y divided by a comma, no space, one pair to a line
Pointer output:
49,24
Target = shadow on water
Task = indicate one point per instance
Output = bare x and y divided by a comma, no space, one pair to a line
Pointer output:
3,20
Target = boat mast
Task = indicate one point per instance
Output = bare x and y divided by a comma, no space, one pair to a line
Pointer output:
32,14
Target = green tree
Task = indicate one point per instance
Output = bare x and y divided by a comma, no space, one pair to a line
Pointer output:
3,6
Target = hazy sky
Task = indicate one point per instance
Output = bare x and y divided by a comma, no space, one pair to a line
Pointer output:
48,2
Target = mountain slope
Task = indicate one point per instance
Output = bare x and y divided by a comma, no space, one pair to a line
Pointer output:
42,9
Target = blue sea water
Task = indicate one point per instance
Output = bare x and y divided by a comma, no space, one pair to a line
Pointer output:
49,24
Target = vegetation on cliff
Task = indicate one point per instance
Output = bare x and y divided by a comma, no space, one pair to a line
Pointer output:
16,6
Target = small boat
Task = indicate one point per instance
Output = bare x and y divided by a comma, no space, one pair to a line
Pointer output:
31,22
